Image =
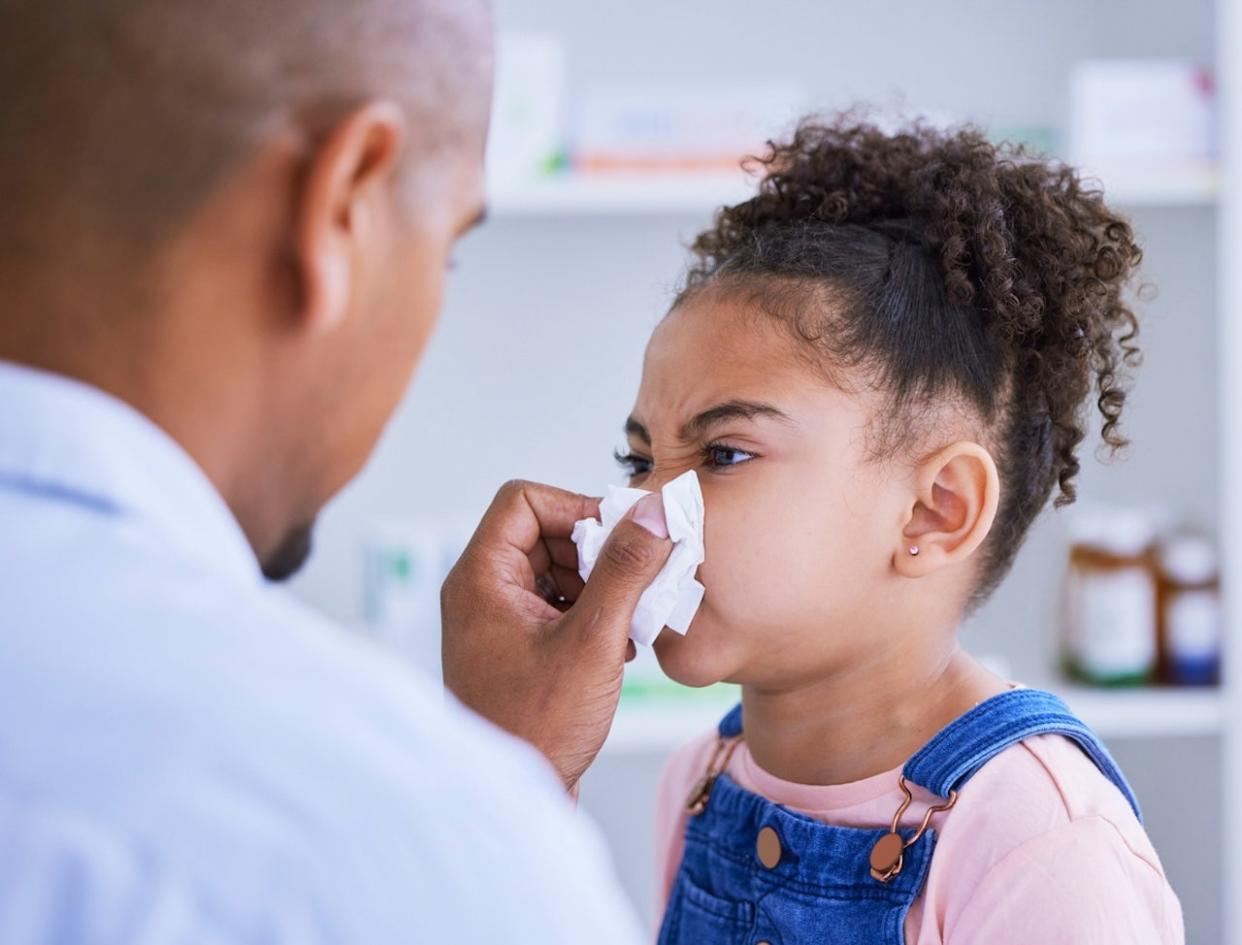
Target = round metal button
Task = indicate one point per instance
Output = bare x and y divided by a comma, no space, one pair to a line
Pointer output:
768,847
887,852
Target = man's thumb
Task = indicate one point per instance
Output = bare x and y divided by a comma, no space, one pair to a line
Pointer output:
629,561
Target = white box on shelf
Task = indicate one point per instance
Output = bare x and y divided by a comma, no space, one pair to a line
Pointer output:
1145,128
526,140
666,129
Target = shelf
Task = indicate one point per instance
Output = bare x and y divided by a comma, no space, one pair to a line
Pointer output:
690,194
1147,713
1190,189
622,195
655,728
661,727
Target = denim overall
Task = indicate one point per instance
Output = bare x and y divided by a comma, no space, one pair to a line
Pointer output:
755,872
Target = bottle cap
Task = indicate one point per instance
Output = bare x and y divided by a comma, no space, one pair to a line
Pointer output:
1189,558
1124,532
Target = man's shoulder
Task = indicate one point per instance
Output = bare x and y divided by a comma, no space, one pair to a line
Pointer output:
236,744
163,698
249,674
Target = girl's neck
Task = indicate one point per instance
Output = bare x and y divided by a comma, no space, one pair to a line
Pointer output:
865,720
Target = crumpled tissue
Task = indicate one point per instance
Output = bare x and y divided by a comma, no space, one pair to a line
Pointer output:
674,596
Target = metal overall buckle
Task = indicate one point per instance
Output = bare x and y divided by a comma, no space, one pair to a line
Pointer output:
889,853
696,803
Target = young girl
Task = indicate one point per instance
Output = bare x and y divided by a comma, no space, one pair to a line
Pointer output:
879,366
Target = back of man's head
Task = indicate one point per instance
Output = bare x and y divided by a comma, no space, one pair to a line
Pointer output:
236,215
119,116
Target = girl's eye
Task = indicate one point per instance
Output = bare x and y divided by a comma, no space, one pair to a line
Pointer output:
633,464
720,456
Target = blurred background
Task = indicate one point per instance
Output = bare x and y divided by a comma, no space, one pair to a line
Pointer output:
617,132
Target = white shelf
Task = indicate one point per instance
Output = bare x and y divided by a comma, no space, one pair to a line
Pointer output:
700,194
1120,713
622,195
1147,713
660,728
1192,189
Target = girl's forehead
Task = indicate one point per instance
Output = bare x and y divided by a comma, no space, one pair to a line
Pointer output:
719,336
716,350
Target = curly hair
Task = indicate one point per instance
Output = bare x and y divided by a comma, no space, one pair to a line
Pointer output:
959,272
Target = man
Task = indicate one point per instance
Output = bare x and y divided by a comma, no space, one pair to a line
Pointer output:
223,243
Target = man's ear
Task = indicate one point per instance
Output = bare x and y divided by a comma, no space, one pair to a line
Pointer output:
956,495
345,180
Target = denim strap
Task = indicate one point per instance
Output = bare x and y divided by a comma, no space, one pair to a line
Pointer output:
965,745
731,725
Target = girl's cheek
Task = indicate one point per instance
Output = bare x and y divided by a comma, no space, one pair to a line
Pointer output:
761,528
742,562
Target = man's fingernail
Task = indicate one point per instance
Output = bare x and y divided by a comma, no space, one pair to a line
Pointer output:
649,513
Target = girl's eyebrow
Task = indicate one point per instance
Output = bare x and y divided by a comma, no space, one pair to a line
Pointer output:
732,410
636,429
697,425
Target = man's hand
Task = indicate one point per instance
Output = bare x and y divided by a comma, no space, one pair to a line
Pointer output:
526,645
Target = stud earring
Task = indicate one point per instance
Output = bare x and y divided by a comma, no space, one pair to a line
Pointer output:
914,551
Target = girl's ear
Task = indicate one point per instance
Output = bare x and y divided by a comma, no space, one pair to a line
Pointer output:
956,494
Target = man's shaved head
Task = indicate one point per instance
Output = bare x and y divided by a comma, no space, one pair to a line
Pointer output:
237,216
118,117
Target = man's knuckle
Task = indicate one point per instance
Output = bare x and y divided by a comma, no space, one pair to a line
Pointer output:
514,487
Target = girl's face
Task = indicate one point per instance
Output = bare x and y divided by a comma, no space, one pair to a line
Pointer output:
800,523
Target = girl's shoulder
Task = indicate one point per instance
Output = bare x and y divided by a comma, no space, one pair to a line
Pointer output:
1038,785
1041,837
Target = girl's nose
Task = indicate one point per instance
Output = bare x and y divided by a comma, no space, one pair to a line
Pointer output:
665,471
660,476
656,481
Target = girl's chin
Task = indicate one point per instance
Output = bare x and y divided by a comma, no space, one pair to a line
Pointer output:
693,660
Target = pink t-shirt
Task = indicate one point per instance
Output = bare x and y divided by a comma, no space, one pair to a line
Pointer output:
1040,849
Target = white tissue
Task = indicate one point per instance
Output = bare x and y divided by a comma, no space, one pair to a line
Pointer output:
674,596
